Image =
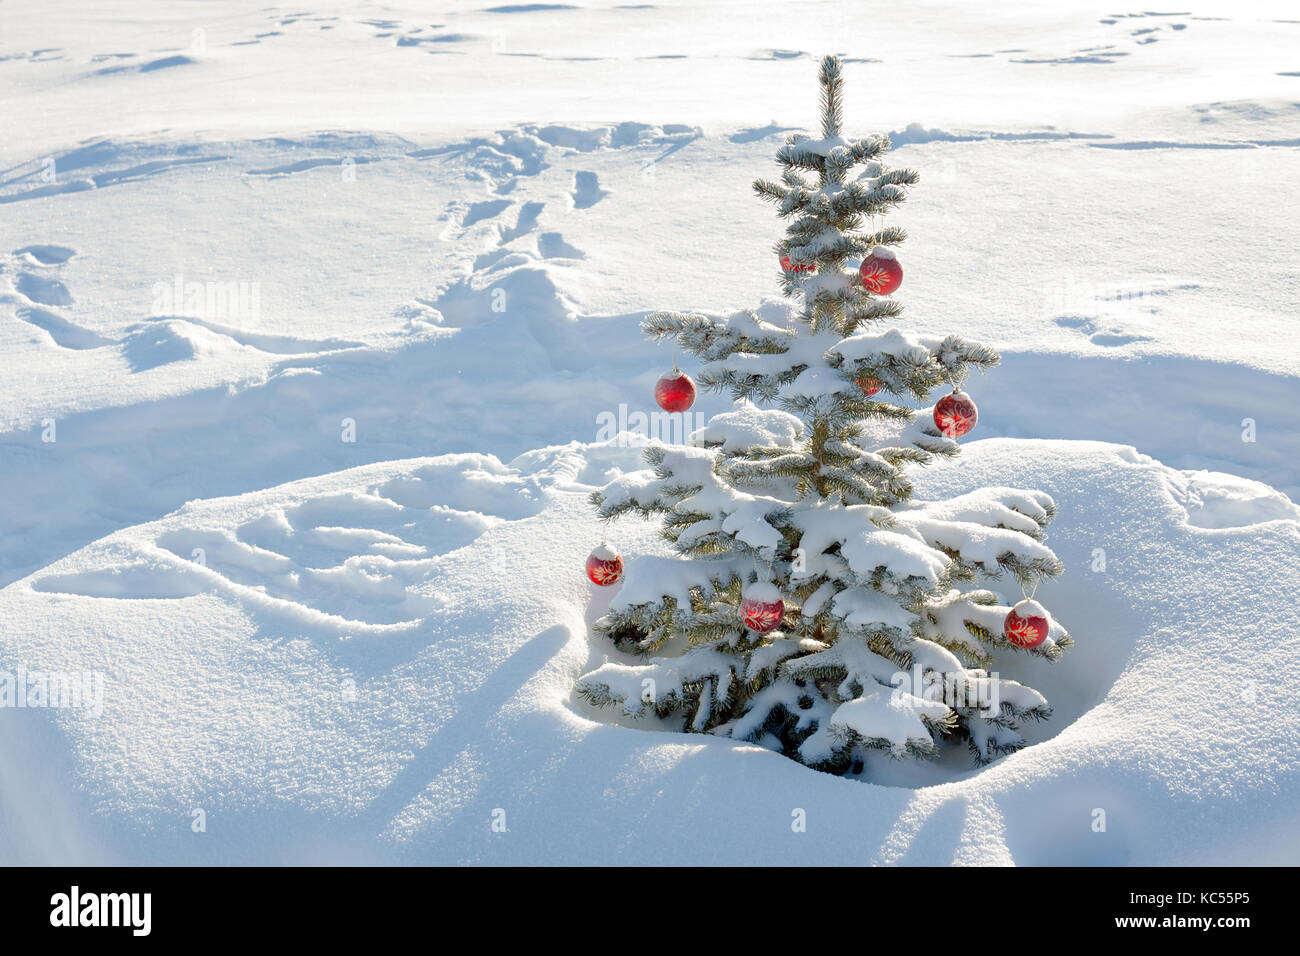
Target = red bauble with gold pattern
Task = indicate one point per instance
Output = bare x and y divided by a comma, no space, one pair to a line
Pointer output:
1027,624
675,392
794,267
881,272
955,415
604,566
761,607
869,384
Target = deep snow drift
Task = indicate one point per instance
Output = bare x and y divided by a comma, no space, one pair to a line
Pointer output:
232,242
370,664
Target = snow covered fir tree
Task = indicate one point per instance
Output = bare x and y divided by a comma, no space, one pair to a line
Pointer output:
815,606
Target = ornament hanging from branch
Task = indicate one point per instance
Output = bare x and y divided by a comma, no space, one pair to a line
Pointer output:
1026,624
604,566
869,384
955,415
794,267
881,271
675,392
761,607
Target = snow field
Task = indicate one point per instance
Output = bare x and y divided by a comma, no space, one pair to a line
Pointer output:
227,234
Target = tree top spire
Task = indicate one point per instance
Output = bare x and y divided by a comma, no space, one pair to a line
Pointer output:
832,80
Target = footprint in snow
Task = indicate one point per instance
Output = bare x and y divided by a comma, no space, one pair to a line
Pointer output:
65,334
43,290
526,223
480,211
586,190
355,561
551,245
46,255
1111,337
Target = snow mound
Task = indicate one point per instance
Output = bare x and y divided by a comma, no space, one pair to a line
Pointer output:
1213,499
173,340
372,665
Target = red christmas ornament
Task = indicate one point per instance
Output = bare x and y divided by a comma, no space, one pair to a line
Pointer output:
869,384
604,566
956,414
881,272
792,266
1027,625
761,607
675,392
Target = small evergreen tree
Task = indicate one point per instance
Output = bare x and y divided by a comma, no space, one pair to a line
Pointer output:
809,502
